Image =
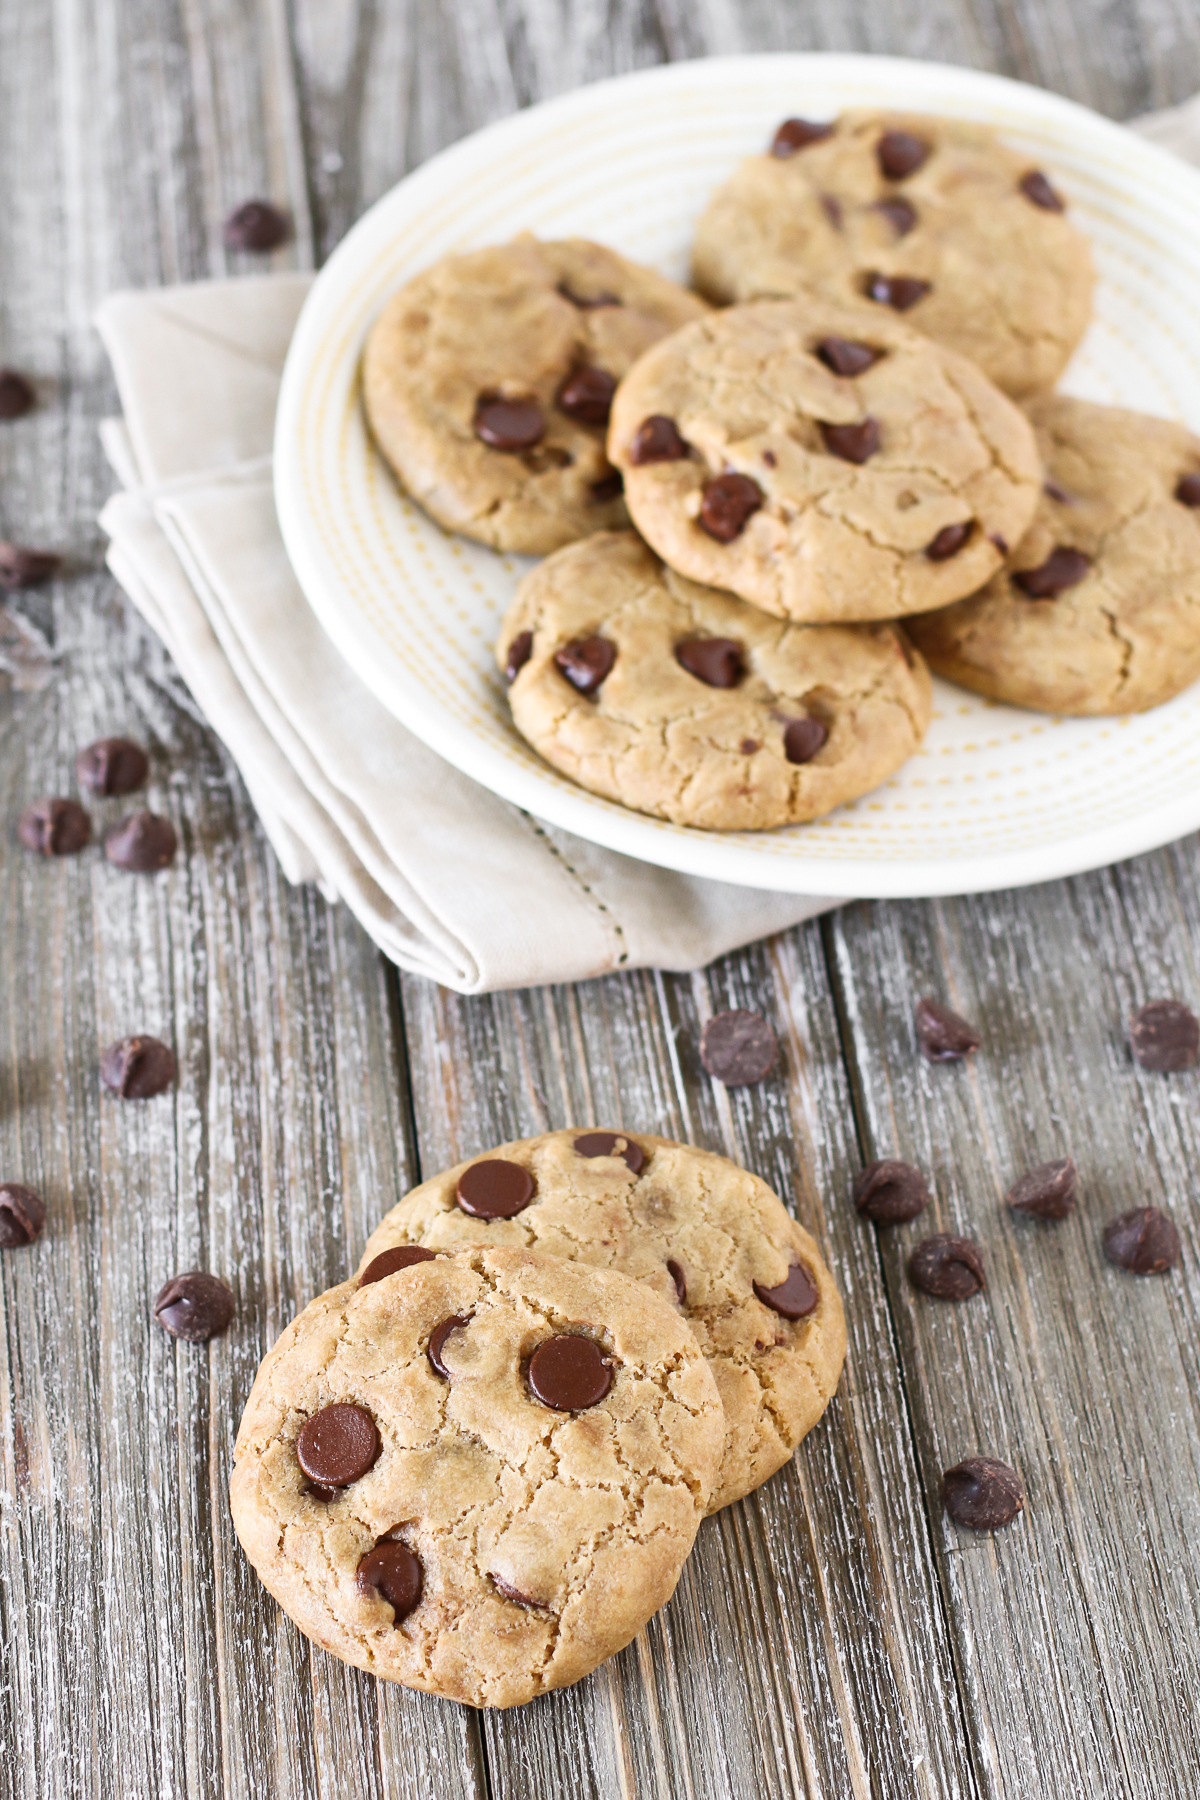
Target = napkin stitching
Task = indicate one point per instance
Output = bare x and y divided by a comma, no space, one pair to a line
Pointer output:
610,917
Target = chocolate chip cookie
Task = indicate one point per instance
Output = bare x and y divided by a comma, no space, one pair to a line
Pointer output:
933,218
478,1475
1098,608
823,461
487,382
705,1235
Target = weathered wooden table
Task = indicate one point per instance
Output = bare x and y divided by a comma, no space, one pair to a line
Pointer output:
832,1636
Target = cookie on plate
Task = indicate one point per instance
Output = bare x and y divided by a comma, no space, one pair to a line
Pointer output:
480,1475
1098,608
823,461
682,702
487,382
934,218
705,1235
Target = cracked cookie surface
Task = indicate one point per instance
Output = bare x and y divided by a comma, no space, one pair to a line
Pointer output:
813,715
538,1541
465,381
1124,634
707,1236
1006,279
819,496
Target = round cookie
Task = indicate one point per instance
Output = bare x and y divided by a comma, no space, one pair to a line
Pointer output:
752,463
682,702
487,381
707,1236
932,217
1098,608
480,1475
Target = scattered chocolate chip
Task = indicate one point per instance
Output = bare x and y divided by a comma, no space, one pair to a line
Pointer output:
1001,543
846,356
394,1572
586,396
831,206
338,1445
675,1271
656,440
1047,1192
1057,493
1164,1035
256,225
949,1268
795,1297
943,1035
54,827
901,215
609,487
519,652
1035,187
508,424
798,134
390,1262
1062,569
901,154
982,1494
21,567
142,843
508,1592
22,1215
1187,490
717,662
586,662
900,292
16,396
949,541
1143,1241
890,1192
112,766
748,746
437,1339
853,443
495,1189
726,503
604,1143
802,738
583,302
136,1068
194,1306
738,1047
569,1373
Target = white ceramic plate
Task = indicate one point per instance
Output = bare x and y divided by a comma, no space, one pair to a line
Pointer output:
996,797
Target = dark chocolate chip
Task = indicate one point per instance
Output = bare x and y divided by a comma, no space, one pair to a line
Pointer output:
569,1373
846,356
394,1572
726,503
137,1068
586,662
675,1271
22,1215
143,843
901,153
54,827
16,396
795,1297
1035,187
1001,543
656,440
901,215
1057,493
949,541
716,661
802,738
738,1047
943,1035
890,1192
770,459
609,487
1164,1035
508,1592
586,396
112,766
495,1189
1063,568
338,1445
1047,1192
195,1306
949,1268
1143,1241
982,1494
519,652
390,1262
798,134
900,292
748,746
853,443
508,424
315,1491
437,1339
586,303
604,1143
831,206
1187,490
21,567
256,225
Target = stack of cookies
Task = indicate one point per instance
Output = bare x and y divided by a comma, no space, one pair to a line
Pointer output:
478,1467
842,460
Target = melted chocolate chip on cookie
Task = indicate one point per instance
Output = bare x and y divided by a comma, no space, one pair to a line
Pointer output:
715,661
604,1143
853,443
846,356
798,134
795,1297
437,1340
1187,491
901,153
802,738
656,440
495,1189
901,215
726,503
569,1373
1035,187
949,541
338,1445
390,1262
519,652
900,292
1064,568
508,424
394,1572
586,396
586,662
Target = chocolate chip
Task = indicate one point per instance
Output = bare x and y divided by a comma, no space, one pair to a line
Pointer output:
22,1215
853,443
112,766
586,396
656,440
846,356
21,567
394,1572
900,214
1035,187
748,746
583,302
1187,490
586,662
256,225
1057,493
900,292
604,1143
315,1491
982,1494
1062,569
495,1189
16,396
802,738
194,1306
569,1373
1164,1035
609,487
54,827
1143,1241
890,1192
508,424
738,1047
338,1445
1001,543
943,1035
798,134
901,154
437,1339
949,1268
949,541
795,1297
675,1271
770,459
726,503
717,662
143,843
390,1262
831,206
1047,1192
508,1592
137,1068
519,652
